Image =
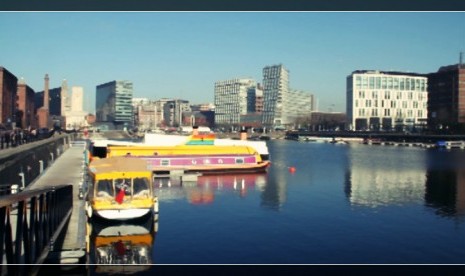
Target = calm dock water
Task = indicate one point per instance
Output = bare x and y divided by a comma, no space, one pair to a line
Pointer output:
344,204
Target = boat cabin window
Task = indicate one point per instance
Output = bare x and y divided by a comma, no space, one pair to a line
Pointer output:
239,161
105,188
123,184
141,187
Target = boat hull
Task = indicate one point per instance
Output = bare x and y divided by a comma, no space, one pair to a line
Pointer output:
215,169
122,214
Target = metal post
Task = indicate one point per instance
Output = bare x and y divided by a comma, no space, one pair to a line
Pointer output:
41,168
23,182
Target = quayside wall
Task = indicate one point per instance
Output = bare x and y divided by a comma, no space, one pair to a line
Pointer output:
21,165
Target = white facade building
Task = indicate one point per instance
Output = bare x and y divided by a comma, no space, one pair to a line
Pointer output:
77,98
75,115
386,100
231,99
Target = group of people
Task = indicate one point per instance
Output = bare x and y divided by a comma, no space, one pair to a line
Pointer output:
16,137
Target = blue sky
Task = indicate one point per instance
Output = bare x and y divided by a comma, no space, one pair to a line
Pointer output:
182,54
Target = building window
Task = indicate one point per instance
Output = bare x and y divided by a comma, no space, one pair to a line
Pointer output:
368,103
387,95
372,82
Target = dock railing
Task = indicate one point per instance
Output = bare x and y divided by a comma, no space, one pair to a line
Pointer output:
31,222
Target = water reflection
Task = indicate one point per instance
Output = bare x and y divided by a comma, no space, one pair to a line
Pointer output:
445,184
115,244
274,194
203,189
380,177
445,192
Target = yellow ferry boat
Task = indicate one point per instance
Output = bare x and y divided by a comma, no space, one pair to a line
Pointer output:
121,189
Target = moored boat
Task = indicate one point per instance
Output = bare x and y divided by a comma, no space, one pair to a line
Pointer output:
99,147
120,189
199,153
205,159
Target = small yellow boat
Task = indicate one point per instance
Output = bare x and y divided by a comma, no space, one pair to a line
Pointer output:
121,189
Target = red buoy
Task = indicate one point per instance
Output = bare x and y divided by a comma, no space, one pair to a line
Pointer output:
292,169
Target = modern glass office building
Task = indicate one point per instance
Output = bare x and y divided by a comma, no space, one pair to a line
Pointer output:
114,103
386,100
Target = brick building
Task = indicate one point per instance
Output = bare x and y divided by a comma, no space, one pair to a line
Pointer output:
446,100
8,88
25,106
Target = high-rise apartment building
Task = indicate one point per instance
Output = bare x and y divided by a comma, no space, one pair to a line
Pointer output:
275,94
114,103
281,104
386,100
446,101
231,99
255,99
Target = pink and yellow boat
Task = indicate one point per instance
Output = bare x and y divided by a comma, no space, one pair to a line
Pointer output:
198,154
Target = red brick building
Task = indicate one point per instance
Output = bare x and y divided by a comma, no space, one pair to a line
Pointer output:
8,88
25,107
446,98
